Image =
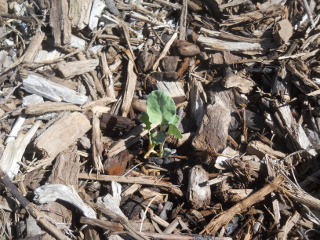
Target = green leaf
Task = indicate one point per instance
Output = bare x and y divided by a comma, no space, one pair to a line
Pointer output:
158,137
160,107
174,120
173,130
145,119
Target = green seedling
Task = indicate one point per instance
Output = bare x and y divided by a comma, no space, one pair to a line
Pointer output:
160,110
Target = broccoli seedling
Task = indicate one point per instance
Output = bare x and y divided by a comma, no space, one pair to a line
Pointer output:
160,110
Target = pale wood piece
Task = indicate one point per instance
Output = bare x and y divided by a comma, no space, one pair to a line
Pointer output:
69,69
301,196
97,83
290,223
43,55
225,155
225,217
107,76
294,130
100,102
274,10
147,19
283,32
233,4
12,155
243,85
33,229
112,202
131,190
135,180
126,34
60,22
169,4
32,100
78,43
139,104
61,135
53,91
172,226
96,11
134,41
129,90
52,192
33,47
173,89
240,47
47,107
150,195
3,6
228,36
79,13
16,128
112,8
260,149
97,144
183,236
199,194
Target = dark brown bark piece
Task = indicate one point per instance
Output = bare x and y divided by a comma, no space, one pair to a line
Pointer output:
114,125
170,63
146,59
213,131
117,165
187,49
165,76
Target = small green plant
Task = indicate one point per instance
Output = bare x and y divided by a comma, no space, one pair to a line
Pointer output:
161,110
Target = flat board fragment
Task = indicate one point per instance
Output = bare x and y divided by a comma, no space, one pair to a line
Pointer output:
77,67
53,91
62,134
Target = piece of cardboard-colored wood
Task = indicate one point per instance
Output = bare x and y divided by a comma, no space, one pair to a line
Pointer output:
62,134
77,67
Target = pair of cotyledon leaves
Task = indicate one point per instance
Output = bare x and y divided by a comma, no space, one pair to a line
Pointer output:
161,109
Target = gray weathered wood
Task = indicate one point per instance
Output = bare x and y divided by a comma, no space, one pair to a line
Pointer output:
199,194
53,91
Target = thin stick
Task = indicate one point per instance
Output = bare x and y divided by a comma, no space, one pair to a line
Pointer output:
138,180
225,217
32,210
164,51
